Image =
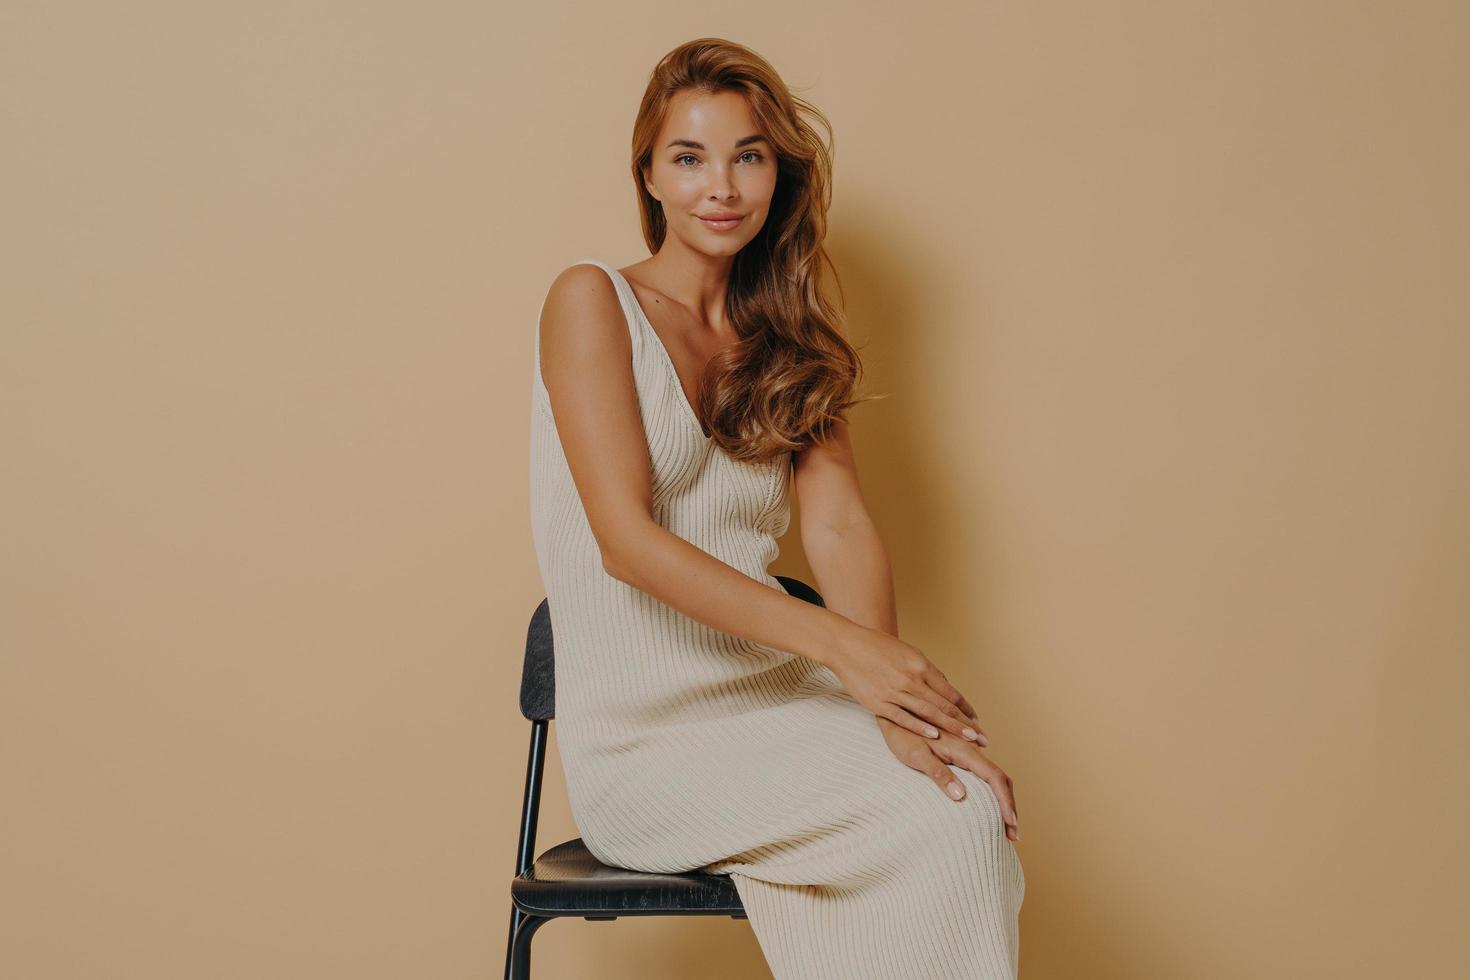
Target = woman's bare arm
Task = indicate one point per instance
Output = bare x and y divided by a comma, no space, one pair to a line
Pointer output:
586,364
839,537
851,565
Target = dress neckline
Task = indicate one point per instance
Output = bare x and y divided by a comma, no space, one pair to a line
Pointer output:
667,358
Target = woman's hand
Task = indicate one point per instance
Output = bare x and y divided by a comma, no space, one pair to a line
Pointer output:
933,757
895,681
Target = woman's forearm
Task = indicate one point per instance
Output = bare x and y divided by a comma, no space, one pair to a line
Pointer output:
681,575
855,578
854,574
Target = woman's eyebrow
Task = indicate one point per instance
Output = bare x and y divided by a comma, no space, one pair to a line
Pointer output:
756,138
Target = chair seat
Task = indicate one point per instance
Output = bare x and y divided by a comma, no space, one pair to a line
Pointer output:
568,880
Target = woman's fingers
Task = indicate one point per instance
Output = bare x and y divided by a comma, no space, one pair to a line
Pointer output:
944,777
1001,783
968,757
938,714
945,714
946,780
907,720
936,759
951,695
969,710
921,755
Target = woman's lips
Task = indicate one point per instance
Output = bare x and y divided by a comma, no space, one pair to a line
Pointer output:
723,225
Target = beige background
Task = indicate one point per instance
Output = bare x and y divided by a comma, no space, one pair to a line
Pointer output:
1172,302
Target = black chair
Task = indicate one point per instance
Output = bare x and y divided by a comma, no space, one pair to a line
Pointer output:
567,880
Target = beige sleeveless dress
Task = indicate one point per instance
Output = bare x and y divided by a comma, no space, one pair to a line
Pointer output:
689,748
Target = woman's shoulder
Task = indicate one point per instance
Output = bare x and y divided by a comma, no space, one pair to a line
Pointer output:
582,297
583,319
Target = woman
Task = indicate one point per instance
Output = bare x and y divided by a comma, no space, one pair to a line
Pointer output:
707,719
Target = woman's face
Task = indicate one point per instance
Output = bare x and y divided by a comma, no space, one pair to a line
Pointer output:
710,160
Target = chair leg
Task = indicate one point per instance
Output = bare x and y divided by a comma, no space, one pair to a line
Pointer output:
510,939
520,945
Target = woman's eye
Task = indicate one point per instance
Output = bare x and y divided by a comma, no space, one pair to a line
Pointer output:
748,153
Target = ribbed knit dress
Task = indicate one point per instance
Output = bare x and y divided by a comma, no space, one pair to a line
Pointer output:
687,748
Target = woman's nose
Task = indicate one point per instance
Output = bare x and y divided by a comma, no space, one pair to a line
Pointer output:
720,184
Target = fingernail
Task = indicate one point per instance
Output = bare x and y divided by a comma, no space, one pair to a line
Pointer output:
956,790
931,731
984,740
971,734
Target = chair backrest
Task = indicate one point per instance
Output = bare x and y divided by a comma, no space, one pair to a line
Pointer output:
538,673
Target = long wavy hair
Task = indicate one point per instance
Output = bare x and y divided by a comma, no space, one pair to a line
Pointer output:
792,374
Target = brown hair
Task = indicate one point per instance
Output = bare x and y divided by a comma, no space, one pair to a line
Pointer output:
792,373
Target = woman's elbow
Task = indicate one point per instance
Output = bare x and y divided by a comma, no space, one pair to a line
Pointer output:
612,566
620,551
